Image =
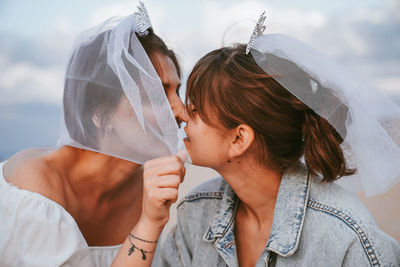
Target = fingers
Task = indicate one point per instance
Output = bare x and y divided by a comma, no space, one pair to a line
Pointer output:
157,161
182,154
165,181
160,161
161,180
164,166
168,195
162,196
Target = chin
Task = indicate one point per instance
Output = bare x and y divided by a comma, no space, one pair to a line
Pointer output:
199,163
198,160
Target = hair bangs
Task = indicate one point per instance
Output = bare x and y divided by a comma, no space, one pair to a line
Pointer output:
203,90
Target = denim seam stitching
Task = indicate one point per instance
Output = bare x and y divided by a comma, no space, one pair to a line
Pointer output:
369,250
215,195
232,218
294,247
307,194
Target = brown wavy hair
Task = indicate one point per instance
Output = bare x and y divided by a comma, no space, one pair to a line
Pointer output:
228,88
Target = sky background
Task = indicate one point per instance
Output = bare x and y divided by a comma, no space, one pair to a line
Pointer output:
36,38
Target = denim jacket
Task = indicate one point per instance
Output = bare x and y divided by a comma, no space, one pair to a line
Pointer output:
314,224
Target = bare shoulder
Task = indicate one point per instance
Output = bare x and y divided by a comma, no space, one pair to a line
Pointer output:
30,170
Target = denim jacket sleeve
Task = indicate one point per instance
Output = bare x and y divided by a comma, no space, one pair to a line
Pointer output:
341,213
184,244
168,255
174,251
388,254
355,255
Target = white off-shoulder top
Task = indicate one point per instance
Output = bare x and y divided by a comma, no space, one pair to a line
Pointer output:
36,231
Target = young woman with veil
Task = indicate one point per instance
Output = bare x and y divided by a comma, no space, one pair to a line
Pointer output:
282,124
75,205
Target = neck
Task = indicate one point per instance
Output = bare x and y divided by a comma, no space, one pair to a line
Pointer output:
256,187
94,174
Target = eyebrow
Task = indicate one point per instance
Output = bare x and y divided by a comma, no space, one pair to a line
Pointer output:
168,85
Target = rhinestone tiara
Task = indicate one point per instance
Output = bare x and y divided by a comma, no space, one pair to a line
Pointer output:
142,19
258,30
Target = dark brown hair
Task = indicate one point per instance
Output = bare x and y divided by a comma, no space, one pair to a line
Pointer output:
153,44
227,87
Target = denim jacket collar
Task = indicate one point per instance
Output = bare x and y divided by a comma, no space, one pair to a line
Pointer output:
289,213
224,216
290,210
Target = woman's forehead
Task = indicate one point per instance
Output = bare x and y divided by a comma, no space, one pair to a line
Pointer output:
168,72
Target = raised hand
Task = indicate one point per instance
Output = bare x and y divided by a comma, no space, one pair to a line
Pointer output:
161,180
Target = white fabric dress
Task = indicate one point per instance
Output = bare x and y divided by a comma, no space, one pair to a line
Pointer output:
36,231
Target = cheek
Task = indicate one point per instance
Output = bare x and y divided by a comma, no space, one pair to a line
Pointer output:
208,148
129,138
127,129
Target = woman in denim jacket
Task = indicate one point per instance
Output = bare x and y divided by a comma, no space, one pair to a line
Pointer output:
276,203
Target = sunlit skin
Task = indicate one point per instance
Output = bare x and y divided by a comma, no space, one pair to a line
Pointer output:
102,193
231,153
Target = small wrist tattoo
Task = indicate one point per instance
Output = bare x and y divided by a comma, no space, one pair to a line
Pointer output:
133,247
138,238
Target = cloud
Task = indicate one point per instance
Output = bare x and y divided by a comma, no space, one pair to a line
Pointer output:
102,13
365,39
390,84
32,69
23,82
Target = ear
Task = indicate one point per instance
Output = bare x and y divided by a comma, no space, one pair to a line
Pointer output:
97,121
242,138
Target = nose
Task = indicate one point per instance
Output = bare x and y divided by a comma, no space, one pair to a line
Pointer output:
177,108
183,115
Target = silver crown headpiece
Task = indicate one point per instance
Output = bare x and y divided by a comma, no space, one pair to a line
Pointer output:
258,30
142,19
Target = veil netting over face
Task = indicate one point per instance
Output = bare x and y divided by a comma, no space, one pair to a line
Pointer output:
114,101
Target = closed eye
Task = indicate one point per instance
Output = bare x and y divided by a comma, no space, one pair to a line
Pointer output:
167,86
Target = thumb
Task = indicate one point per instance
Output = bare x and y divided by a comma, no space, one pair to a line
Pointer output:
182,154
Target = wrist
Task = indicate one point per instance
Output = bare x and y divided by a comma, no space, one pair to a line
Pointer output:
145,225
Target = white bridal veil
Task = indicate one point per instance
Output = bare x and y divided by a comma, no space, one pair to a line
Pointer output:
114,101
365,118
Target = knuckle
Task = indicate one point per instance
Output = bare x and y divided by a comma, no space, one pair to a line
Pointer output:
176,165
150,194
177,179
147,173
170,159
148,164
